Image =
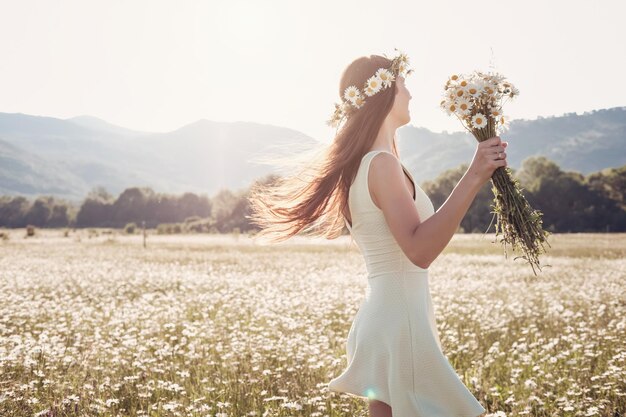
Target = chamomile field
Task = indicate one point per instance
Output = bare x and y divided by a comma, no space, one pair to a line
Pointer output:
96,324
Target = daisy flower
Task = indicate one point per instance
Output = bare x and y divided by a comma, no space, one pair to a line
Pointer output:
454,81
490,88
450,107
358,103
479,120
482,84
504,122
373,85
464,106
495,112
400,65
351,93
386,76
473,89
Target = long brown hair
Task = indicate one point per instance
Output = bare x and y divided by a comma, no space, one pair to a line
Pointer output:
314,199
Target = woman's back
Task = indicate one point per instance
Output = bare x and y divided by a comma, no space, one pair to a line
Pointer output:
369,227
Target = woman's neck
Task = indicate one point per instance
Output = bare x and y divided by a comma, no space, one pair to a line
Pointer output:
385,138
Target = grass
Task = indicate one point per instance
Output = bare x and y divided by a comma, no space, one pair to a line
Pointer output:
220,326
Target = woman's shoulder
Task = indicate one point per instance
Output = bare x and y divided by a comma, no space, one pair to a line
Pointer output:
383,162
385,177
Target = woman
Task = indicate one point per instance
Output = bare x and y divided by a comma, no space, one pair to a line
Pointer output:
393,349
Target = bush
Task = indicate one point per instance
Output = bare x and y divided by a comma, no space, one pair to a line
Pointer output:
130,228
192,219
168,228
30,230
199,226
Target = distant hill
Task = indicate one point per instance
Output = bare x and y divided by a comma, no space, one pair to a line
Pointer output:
68,157
585,143
102,125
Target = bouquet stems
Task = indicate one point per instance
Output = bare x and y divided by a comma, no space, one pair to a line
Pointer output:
519,223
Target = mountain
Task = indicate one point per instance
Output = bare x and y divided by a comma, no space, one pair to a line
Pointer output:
68,157
585,143
26,173
99,124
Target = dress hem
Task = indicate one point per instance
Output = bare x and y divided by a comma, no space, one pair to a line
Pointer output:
359,394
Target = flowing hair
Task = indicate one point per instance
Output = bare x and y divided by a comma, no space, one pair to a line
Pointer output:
314,199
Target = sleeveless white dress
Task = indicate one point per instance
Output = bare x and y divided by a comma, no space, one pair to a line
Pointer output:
393,348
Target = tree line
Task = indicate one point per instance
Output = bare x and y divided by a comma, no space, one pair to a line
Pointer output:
569,202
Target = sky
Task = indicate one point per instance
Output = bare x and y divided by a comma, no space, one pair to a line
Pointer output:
159,65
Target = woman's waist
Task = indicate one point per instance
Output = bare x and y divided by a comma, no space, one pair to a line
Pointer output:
399,273
410,285
399,265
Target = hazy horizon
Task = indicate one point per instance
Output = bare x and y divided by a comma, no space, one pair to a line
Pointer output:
158,66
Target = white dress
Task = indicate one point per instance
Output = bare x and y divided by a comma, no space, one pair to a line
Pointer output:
393,349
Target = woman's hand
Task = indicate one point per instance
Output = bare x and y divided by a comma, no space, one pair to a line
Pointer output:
488,157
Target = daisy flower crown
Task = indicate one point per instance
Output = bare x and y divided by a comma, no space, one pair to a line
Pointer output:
354,98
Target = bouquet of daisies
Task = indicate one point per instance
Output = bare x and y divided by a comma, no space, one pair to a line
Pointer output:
476,100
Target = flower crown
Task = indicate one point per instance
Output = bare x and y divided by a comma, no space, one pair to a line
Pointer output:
353,98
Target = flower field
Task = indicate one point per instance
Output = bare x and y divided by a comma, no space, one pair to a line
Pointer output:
220,326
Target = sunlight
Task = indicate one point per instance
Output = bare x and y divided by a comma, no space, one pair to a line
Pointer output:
247,28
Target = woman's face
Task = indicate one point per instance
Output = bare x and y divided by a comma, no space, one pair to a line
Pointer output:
400,109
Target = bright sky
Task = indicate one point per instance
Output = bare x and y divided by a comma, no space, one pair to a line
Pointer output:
158,65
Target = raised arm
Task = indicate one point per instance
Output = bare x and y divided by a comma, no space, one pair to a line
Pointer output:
423,241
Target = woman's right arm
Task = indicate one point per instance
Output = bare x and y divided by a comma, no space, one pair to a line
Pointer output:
422,242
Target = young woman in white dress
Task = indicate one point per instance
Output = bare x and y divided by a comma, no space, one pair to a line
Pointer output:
394,353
